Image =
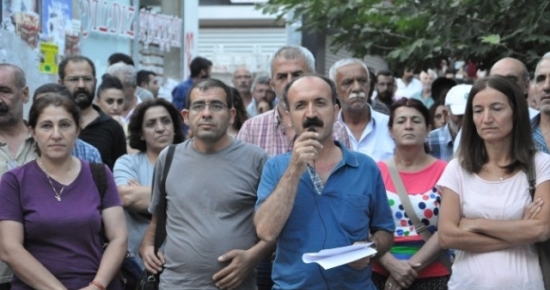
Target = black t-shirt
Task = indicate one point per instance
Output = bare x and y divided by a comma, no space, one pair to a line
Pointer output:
107,135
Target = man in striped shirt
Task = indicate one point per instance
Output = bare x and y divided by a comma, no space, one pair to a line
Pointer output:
272,130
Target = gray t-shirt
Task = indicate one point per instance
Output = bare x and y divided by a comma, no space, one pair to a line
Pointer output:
210,206
138,167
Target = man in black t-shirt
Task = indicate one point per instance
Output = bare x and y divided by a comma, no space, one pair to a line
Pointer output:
77,73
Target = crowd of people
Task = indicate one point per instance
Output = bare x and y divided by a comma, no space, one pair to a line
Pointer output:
429,169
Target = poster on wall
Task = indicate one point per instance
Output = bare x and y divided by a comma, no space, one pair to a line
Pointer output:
23,18
56,22
48,57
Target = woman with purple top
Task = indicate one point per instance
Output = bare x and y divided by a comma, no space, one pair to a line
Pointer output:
53,217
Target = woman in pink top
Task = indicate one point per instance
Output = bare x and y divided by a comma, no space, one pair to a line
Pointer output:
487,212
412,263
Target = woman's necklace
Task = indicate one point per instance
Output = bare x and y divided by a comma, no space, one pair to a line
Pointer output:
500,177
57,193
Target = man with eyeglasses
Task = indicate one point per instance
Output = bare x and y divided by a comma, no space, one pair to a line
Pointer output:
77,73
211,192
16,143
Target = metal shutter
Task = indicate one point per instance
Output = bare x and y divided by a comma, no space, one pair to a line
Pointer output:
230,47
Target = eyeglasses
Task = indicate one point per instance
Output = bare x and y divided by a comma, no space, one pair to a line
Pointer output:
214,106
76,79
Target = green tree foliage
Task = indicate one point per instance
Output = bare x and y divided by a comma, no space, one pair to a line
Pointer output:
419,32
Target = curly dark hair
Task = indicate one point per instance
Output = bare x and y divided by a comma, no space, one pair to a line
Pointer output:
136,123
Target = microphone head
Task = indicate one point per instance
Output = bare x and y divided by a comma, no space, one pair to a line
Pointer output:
311,129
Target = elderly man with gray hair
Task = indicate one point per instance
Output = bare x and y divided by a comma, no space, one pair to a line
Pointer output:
367,129
261,92
272,130
127,75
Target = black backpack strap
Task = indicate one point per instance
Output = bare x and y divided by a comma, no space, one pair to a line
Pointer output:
160,232
100,178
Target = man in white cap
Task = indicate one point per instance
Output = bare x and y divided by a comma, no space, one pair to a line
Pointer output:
441,140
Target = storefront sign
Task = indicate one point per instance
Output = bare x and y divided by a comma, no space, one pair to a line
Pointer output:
162,30
48,57
107,18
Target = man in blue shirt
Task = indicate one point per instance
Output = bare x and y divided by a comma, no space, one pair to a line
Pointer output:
320,196
200,68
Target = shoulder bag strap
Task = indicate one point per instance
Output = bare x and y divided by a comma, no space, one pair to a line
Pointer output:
160,231
420,227
100,178
531,177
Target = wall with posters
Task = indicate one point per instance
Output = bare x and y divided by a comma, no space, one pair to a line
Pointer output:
16,51
108,26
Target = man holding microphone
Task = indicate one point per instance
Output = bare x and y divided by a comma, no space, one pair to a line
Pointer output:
320,196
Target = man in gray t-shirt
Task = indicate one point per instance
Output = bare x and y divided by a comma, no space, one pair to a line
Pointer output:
211,193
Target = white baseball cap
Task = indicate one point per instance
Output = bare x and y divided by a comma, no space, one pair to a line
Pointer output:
457,97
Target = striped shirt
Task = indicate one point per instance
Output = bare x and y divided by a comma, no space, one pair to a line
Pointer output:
268,132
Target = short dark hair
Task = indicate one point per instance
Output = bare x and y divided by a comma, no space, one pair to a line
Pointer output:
109,82
383,72
333,91
372,82
241,114
206,84
56,100
473,153
136,123
413,104
120,57
74,58
51,88
198,64
19,79
143,76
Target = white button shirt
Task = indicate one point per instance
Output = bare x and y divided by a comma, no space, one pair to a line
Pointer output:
403,90
375,140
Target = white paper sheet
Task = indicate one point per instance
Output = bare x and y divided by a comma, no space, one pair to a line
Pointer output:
330,258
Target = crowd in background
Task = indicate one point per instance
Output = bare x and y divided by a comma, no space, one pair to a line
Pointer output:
430,167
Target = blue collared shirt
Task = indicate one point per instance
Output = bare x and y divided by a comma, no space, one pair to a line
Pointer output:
85,151
441,143
351,204
538,138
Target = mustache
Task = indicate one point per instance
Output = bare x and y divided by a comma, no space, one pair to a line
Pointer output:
357,95
4,108
313,122
81,91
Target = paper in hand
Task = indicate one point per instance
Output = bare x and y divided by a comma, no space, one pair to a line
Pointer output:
330,258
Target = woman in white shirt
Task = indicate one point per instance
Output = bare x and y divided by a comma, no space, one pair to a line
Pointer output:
487,212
